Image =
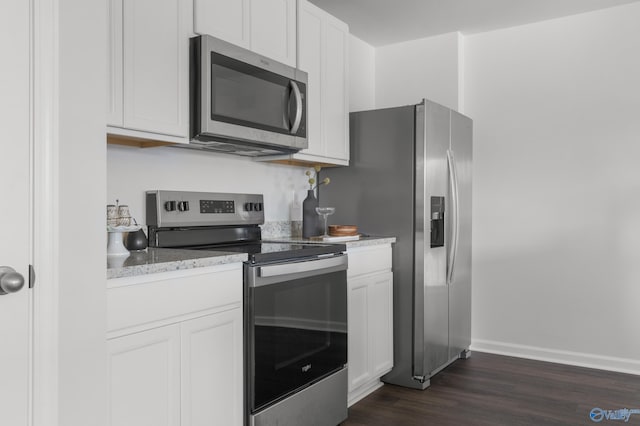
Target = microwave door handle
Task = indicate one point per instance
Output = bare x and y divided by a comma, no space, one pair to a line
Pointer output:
296,93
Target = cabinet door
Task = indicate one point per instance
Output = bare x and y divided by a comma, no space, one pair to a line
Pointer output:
212,370
228,20
322,53
114,72
156,65
273,29
358,332
381,323
144,378
335,103
309,60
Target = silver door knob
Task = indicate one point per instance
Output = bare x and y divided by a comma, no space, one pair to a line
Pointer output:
10,280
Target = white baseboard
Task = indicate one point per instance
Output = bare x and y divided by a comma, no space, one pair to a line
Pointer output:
579,359
364,390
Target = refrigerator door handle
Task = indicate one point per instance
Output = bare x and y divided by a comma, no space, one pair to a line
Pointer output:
453,247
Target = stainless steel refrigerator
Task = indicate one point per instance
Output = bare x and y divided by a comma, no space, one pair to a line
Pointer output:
410,177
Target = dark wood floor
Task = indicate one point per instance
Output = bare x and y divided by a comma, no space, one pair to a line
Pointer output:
495,390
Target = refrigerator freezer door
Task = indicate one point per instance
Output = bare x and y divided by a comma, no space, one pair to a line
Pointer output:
431,309
460,286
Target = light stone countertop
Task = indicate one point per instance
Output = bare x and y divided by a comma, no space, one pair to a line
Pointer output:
154,260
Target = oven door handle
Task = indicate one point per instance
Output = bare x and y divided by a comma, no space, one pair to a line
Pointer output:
269,274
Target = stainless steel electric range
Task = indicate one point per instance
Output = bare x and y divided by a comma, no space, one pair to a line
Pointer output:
295,304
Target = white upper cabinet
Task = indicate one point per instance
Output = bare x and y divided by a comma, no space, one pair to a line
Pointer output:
310,60
149,69
114,108
267,27
228,20
323,54
335,105
273,29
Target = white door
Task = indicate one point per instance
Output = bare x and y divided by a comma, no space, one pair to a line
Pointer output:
15,236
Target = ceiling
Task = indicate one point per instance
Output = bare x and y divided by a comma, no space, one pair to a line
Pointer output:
381,22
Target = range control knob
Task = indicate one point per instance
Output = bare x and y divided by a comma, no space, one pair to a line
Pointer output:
183,206
170,206
253,207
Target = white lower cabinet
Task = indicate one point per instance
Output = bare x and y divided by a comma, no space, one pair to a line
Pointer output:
358,333
175,343
370,307
144,378
211,370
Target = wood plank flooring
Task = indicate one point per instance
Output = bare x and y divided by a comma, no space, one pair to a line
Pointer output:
496,390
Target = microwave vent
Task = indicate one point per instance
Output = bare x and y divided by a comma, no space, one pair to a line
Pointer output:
236,148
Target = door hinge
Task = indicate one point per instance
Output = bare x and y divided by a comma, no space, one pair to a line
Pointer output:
32,276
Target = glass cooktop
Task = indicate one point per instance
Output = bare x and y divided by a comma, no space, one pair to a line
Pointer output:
261,251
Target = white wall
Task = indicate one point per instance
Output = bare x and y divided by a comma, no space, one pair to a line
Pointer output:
556,110
410,71
362,64
132,171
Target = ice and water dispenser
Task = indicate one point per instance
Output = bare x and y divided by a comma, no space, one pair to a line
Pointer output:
437,221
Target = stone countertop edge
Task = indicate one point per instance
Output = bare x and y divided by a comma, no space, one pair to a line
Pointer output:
155,260
362,242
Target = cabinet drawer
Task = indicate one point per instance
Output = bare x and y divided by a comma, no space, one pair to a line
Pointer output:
365,260
137,303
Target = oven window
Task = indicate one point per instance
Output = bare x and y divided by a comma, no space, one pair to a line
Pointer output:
247,95
300,334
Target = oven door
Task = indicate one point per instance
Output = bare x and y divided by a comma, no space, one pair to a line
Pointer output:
296,326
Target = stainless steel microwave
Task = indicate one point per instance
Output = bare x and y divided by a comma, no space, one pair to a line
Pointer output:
244,103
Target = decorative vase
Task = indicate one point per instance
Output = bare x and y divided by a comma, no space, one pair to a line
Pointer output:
136,240
115,246
310,219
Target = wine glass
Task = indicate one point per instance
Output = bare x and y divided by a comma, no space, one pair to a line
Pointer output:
324,212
